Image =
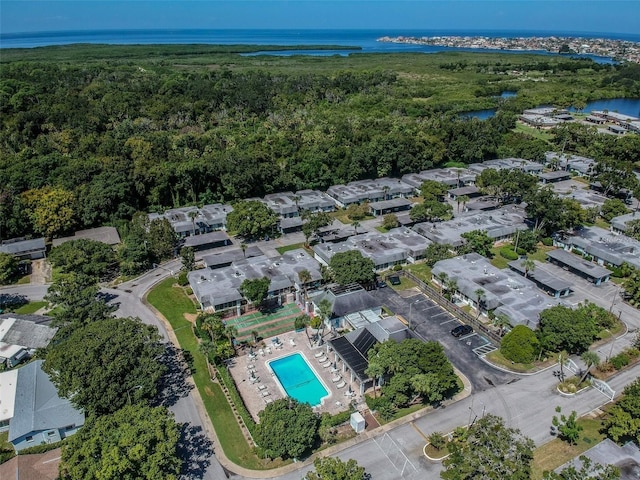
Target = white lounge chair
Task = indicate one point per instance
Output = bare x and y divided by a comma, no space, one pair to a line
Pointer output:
265,393
251,366
291,341
261,352
342,384
322,359
268,400
319,354
337,378
267,349
326,364
334,369
261,387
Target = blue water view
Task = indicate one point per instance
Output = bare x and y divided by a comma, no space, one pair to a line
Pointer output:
298,380
364,39
627,106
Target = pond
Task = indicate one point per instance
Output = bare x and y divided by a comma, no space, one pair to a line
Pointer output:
479,114
627,106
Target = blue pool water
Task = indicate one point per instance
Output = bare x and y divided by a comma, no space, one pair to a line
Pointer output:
298,380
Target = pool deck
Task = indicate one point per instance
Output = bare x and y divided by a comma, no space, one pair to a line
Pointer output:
252,393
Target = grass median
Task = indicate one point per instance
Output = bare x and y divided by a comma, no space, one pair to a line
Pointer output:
173,303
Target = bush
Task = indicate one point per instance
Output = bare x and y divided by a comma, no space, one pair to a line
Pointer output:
43,448
520,345
300,322
224,375
508,253
521,252
547,241
620,361
397,268
182,279
437,440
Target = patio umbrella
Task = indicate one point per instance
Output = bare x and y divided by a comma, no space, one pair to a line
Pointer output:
252,375
250,350
335,366
276,340
349,391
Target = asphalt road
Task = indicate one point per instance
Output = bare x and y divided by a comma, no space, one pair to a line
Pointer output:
528,403
431,322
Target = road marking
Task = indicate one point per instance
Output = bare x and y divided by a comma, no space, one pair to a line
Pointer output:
448,321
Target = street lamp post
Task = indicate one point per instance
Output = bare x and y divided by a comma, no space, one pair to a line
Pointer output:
410,309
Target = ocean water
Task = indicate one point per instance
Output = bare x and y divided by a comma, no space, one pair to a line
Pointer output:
365,39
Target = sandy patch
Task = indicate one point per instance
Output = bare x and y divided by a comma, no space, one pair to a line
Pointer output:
191,317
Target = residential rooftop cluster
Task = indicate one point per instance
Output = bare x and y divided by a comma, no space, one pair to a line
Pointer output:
605,47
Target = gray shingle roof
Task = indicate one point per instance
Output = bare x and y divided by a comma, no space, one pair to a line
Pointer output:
21,247
37,404
21,330
108,235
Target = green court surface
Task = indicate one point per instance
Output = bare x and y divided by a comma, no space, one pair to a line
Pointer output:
265,324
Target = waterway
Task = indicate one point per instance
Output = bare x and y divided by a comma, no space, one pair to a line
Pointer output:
627,106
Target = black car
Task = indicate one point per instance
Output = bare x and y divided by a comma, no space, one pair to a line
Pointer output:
461,331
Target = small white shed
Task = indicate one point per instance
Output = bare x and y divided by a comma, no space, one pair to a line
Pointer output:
357,422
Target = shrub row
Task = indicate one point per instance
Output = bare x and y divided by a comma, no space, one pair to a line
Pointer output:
225,376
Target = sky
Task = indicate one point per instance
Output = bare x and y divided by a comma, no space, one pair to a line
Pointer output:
589,16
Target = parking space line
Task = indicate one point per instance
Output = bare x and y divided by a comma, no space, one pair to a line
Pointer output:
468,336
448,321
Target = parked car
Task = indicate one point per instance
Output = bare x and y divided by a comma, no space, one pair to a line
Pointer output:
461,331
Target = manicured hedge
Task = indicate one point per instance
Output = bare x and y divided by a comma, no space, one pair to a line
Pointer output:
508,253
520,345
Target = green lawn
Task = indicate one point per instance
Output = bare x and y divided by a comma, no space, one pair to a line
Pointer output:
498,260
534,132
286,248
31,307
24,280
405,283
420,270
173,303
557,452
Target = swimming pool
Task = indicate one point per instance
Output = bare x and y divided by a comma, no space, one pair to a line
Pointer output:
298,380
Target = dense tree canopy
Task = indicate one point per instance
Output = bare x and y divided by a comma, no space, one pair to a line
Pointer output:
287,428
122,129
572,330
623,420
251,219
104,364
87,257
351,267
135,442
490,451
75,296
413,369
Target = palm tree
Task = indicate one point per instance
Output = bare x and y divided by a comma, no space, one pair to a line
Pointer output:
230,332
479,293
591,359
324,311
296,199
355,226
193,214
375,371
464,199
529,266
501,320
304,276
452,285
442,277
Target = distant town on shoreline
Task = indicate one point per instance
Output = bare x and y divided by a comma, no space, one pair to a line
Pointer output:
624,50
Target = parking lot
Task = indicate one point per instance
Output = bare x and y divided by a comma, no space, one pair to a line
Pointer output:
430,322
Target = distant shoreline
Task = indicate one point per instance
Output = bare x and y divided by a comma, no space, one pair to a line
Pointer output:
626,50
